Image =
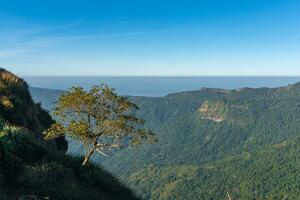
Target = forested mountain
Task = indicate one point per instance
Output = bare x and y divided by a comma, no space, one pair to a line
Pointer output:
32,168
213,143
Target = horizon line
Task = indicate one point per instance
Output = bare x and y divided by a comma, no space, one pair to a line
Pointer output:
162,76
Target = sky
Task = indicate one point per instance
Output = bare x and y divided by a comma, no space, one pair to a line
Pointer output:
150,37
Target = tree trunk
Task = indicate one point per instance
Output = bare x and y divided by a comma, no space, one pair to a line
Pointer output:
87,156
90,153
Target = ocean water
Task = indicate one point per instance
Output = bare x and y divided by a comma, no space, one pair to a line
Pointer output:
159,86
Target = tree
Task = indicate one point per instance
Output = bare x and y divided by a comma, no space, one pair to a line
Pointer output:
99,118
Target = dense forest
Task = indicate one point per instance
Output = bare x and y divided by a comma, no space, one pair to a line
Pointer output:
212,143
32,168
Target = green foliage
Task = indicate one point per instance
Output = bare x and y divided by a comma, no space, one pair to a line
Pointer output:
250,153
17,106
10,135
31,168
27,168
270,173
99,118
254,119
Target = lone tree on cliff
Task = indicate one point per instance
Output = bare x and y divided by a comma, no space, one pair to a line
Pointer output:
99,118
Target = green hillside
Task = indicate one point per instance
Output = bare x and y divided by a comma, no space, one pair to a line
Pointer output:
31,168
215,141
271,173
17,106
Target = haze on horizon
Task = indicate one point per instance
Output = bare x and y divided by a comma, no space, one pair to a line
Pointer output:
150,38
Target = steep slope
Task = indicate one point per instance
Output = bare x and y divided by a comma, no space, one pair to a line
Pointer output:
198,128
17,107
31,168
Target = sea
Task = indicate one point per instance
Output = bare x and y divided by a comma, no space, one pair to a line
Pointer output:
159,86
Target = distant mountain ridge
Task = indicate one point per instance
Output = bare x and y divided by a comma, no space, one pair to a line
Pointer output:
213,141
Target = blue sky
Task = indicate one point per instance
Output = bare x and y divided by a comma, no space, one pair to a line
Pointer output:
150,38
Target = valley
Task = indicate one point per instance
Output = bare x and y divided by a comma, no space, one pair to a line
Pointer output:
210,142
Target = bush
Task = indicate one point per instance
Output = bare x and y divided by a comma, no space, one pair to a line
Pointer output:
27,167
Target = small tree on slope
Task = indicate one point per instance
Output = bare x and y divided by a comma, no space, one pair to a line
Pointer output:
99,118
